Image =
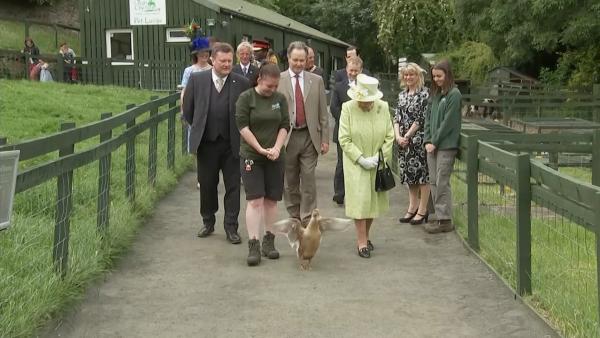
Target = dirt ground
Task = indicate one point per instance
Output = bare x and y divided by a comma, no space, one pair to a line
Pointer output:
174,284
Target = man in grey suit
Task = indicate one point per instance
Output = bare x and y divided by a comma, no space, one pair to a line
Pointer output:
245,67
209,108
339,95
309,134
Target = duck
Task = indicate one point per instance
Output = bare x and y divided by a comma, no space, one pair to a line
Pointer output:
306,240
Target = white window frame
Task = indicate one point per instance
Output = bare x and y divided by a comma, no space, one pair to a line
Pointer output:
176,39
109,32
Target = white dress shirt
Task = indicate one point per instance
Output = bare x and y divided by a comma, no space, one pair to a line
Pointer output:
301,79
215,77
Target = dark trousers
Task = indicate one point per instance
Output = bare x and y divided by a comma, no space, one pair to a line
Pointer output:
214,157
338,178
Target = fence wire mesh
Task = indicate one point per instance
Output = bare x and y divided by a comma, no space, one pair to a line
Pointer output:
563,252
28,275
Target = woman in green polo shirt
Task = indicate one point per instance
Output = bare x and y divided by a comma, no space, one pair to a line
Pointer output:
442,132
263,120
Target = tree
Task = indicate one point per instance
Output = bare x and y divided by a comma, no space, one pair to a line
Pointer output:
270,4
522,32
409,28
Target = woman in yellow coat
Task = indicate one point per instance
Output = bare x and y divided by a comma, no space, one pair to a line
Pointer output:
365,127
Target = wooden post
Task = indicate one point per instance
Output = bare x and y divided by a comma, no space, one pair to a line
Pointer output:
553,160
130,162
523,192
184,136
472,191
63,211
596,158
60,68
596,205
55,36
104,165
153,145
596,108
171,134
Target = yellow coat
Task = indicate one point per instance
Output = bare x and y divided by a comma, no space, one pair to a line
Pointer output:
363,134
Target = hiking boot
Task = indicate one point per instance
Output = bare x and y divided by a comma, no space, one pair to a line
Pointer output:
437,227
253,252
268,246
446,225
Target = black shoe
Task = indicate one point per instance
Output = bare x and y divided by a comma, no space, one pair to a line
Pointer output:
422,220
370,245
233,237
409,216
253,252
364,252
338,199
268,246
206,230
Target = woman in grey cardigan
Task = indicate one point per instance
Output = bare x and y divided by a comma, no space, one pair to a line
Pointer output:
442,132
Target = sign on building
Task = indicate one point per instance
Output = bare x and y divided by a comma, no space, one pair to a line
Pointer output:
8,175
147,12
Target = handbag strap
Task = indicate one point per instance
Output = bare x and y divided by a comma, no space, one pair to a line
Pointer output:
381,159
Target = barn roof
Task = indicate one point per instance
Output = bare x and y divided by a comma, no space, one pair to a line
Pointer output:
258,13
515,73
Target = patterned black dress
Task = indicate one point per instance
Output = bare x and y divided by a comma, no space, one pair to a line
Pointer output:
412,160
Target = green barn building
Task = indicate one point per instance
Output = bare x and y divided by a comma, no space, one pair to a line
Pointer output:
141,43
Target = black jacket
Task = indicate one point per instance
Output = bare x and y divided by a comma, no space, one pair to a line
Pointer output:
196,102
339,95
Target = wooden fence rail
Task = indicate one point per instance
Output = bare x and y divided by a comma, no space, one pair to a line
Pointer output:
496,156
62,168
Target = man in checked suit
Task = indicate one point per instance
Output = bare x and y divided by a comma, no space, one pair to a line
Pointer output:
339,95
209,108
245,67
309,134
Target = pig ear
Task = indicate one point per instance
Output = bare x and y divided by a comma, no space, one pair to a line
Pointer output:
285,226
335,224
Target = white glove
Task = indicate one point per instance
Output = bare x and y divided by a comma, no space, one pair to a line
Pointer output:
374,159
367,163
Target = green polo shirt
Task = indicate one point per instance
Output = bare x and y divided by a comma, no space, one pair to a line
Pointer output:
265,116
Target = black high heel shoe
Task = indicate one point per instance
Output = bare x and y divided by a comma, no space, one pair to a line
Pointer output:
408,218
364,252
423,219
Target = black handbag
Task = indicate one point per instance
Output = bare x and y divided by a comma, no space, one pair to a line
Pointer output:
384,179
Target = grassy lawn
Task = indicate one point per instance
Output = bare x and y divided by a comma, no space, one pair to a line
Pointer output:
563,257
30,291
582,173
13,35
32,109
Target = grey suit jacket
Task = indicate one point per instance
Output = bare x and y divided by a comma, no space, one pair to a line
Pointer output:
196,100
315,106
252,71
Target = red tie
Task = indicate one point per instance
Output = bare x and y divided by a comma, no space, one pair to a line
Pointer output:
300,117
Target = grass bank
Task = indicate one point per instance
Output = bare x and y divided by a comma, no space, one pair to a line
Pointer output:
30,291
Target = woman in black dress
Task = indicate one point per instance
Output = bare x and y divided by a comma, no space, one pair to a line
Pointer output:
408,130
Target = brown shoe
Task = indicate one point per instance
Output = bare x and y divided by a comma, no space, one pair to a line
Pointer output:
446,225
437,227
